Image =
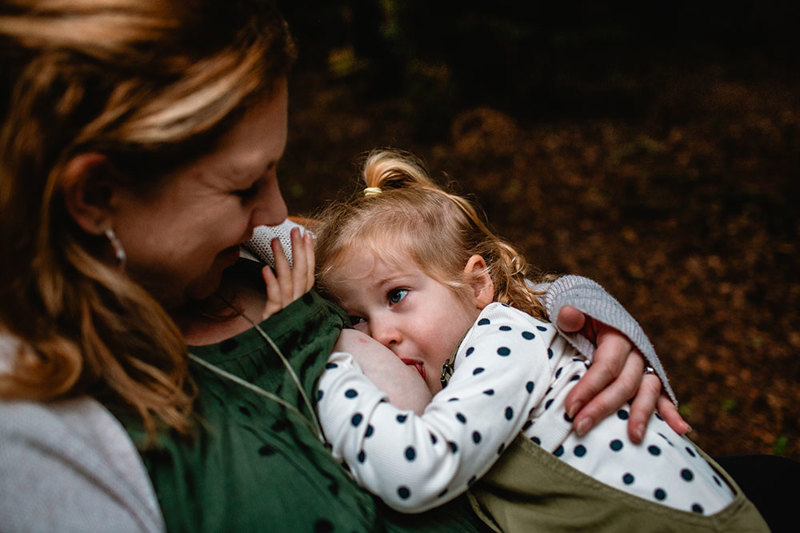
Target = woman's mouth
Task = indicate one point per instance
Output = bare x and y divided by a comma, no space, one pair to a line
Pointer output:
418,366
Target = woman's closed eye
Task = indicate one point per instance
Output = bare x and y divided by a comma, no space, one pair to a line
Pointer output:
395,296
249,192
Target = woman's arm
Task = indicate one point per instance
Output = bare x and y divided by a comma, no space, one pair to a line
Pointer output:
601,328
402,384
415,462
70,466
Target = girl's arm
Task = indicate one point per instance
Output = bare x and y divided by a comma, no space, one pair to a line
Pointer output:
416,462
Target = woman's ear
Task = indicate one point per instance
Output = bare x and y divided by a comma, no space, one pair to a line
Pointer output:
478,278
87,191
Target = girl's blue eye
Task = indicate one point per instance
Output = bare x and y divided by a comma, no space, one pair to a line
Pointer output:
396,295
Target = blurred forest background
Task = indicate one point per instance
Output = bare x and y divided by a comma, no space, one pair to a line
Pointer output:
653,147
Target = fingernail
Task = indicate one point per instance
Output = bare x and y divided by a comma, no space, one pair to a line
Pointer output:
583,427
577,406
688,429
640,431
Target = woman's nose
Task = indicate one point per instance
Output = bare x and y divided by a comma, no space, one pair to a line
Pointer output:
270,208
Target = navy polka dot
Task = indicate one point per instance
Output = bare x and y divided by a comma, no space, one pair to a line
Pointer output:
266,450
478,371
483,322
401,418
690,451
411,453
505,328
697,508
501,449
567,418
434,440
527,425
536,440
356,420
628,479
453,399
362,456
319,395
558,372
470,350
350,393
660,494
559,451
616,445
549,353
717,481
576,377
503,351
548,403
541,328
687,474
403,492
509,413
580,450
654,450
369,432
461,418
476,437
489,392
442,493
622,414
322,525
331,366
529,387
527,335
453,446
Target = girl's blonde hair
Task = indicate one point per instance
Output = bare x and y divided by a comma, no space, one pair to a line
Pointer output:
152,85
403,213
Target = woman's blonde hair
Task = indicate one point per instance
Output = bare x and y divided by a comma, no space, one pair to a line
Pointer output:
403,212
152,85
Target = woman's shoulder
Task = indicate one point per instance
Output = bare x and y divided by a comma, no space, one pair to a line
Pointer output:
71,465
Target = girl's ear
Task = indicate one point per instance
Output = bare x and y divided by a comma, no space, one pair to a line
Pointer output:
480,281
87,191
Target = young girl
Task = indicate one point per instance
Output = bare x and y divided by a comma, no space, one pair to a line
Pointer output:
418,271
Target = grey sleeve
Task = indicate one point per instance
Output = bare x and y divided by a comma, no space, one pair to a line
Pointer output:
71,467
590,298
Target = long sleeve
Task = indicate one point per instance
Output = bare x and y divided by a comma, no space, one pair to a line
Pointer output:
590,298
70,466
415,462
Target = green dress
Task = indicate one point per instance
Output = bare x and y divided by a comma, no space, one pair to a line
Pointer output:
252,464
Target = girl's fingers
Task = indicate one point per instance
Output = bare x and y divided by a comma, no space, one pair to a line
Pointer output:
274,302
299,264
282,271
308,239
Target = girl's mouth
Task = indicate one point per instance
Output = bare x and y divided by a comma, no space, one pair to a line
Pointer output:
418,366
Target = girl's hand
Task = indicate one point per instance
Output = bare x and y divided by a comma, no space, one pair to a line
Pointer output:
615,376
288,284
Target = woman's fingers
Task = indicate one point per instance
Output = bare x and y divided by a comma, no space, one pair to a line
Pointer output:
308,239
671,416
643,406
571,320
300,265
282,271
610,357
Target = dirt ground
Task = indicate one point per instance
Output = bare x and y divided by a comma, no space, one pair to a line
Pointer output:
686,212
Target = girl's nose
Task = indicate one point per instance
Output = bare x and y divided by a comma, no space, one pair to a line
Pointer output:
384,332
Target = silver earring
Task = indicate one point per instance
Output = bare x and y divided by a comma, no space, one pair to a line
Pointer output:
119,251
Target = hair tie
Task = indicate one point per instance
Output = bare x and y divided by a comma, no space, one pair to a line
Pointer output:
372,191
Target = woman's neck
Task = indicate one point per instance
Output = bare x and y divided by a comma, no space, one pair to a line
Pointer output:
220,317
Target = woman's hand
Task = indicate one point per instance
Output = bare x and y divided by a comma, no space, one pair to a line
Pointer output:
288,284
615,376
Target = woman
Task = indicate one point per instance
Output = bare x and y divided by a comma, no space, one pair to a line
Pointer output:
138,148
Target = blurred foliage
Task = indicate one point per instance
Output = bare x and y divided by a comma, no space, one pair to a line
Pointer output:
652,147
